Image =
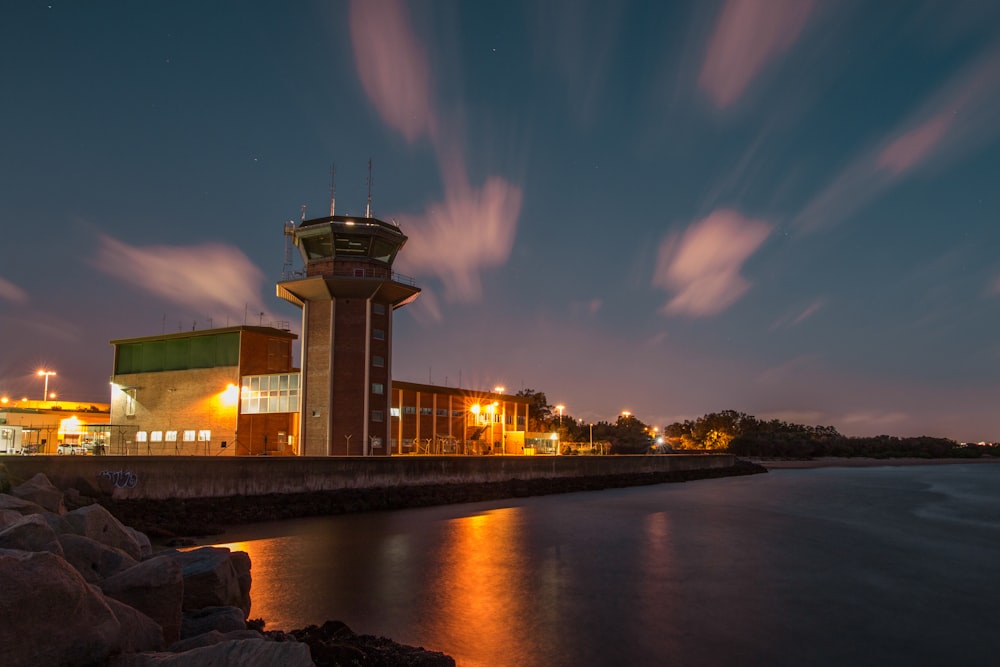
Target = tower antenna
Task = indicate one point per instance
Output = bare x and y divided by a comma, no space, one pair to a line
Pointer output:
303,212
286,269
333,188
368,210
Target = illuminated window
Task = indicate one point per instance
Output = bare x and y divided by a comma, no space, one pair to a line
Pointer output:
204,435
378,361
377,442
378,388
130,402
409,410
189,435
171,436
378,416
393,412
140,436
378,334
156,436
270,393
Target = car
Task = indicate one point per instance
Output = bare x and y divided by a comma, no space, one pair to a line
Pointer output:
72,450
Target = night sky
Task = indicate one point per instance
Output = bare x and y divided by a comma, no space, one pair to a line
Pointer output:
783,207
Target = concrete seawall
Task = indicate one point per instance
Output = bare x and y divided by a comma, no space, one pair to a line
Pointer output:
161,478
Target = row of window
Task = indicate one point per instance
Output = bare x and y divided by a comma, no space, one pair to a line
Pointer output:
188,435
278,392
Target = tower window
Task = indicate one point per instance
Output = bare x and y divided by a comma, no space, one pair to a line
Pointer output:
378,388
378,309
378,416
378,361
378,334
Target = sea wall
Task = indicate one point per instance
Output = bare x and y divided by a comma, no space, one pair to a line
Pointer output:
161,478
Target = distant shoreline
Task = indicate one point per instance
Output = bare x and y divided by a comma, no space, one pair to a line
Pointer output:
861,462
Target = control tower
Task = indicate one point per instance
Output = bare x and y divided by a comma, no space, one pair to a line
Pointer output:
347,297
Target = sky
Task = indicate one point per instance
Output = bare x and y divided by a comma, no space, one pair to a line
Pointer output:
783,207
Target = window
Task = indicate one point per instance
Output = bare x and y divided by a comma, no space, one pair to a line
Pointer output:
456,413
130,402
270,393
409,410
378,309
376,442
204,435
189,435
378,334
378,416
171,436
378,388
426,411
393,412
441,412
140,436
378,361
156,436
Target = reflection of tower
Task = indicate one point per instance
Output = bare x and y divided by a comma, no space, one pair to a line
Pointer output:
347,297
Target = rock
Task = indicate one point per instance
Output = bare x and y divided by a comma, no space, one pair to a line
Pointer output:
209,638
97,523
210,580
242,652
40,491
145,546
8,517
156,588
93,560
241,564
138,631
19,505
51,616
31,533
335,644
221,619
57,522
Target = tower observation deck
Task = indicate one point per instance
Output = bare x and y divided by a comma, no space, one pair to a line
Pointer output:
347,296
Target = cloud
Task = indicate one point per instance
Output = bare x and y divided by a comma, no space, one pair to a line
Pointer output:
702,266
391,65
799,316
873,418
211,278
471,230
11,292
748,35
957,120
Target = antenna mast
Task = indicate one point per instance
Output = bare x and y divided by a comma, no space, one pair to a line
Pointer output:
303,213
333,188
368,210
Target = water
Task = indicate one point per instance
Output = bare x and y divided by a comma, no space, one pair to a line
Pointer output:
836,566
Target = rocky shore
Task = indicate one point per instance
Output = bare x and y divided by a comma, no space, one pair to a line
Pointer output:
173,519
79,587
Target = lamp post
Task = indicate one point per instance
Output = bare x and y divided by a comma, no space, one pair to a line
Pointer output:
591,438
44,373
560,408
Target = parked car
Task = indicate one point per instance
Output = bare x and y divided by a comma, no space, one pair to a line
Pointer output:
72,450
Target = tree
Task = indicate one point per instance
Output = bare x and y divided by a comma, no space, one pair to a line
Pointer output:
539,410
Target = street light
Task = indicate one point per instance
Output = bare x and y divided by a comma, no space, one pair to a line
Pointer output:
45,374
560,408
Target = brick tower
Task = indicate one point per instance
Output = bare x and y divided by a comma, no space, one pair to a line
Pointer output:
347,297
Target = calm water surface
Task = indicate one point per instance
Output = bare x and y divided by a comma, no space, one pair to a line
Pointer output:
836,566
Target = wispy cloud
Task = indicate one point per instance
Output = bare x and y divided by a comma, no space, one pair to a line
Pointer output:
473,229
873,419
701,267
954,122
211,278
748,35
11,292
798,316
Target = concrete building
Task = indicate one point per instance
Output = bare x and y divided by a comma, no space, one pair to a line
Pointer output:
228,391
347,294
45,427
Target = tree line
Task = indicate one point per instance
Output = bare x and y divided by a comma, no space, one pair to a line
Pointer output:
739,433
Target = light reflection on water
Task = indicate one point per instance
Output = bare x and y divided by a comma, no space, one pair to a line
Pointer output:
820,567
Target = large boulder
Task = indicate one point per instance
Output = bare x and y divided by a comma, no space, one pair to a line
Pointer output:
19,505
8,517
145,546
242,652
138,631
210,578
51,616
40,491
241,564
156,588
30,533
209,638
97,523
221,619
95,561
